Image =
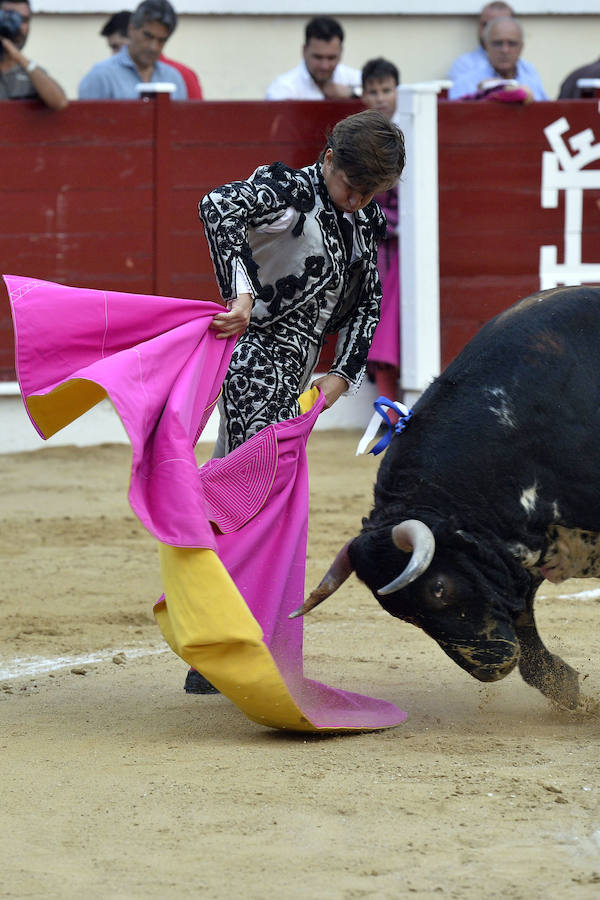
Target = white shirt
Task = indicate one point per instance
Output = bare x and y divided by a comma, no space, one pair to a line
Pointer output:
298,83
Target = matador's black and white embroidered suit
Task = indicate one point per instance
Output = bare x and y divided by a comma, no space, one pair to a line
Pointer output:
282,232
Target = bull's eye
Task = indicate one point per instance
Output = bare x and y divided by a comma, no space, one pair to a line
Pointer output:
438,593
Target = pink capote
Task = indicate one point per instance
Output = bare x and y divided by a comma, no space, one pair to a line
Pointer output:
385,347
162,368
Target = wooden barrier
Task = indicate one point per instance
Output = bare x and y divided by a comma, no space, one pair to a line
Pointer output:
105,194
492,223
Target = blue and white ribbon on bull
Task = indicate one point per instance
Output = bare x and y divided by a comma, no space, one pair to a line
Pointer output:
404,414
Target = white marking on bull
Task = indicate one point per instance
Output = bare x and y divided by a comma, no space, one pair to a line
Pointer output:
529,499
500,406
527,557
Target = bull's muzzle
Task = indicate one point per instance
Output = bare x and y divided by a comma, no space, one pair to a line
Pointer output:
487,660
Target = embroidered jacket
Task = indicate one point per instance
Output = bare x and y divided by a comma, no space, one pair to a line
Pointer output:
301,277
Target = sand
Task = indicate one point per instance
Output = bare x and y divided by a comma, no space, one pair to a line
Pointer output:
116,784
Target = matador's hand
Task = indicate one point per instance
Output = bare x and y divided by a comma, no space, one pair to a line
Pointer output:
235,320
333,386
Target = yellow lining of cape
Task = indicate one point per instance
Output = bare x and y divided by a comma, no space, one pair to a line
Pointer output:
204,618
206,622
64,404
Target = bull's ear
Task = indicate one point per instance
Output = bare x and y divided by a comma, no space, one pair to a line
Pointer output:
466,538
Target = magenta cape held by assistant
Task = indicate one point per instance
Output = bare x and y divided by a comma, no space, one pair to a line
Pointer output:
233,533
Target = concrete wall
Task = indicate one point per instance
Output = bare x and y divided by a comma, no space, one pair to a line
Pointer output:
237,56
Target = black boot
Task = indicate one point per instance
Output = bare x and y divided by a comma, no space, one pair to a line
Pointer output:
195,683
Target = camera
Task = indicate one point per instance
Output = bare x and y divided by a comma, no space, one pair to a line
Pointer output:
10,24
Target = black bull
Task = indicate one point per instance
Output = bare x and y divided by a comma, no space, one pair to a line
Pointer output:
498,472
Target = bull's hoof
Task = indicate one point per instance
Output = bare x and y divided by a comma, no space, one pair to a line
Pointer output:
554,678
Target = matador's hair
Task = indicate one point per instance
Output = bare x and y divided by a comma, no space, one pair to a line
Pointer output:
369,149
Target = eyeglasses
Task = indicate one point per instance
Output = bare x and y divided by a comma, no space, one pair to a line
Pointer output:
510,44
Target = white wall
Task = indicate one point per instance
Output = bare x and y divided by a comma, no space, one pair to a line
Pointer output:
101,425
237,56
334,7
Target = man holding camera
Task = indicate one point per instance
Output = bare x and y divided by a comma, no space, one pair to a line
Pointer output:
20,77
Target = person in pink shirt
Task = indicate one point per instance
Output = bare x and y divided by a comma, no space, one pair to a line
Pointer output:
194,90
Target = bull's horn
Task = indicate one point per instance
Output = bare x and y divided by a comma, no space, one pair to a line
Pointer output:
417,537
338,572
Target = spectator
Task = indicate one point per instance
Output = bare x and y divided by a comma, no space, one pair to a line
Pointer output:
569,89
380,79
465,64
21,78
116,32
190,79
319,75
151,25
503,42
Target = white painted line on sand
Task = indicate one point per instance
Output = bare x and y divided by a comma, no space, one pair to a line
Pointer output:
579,595
27,666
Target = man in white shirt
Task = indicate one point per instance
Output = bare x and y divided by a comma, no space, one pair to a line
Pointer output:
319,75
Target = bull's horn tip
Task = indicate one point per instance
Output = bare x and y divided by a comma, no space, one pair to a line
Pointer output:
297,613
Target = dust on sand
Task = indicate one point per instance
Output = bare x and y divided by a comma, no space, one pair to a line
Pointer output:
116,784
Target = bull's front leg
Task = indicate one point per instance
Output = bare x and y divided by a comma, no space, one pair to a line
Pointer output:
543,670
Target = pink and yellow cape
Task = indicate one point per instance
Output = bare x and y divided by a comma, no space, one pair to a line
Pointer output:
232,533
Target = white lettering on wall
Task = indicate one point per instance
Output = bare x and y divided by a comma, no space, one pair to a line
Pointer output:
564,169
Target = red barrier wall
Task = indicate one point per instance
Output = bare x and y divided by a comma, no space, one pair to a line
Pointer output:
105,194
492,223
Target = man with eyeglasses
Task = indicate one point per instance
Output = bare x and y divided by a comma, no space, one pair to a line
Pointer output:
503,42
468,61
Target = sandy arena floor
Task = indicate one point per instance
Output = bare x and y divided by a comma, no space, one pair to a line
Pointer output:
116,784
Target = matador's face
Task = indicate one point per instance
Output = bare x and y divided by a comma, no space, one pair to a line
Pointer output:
345,195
